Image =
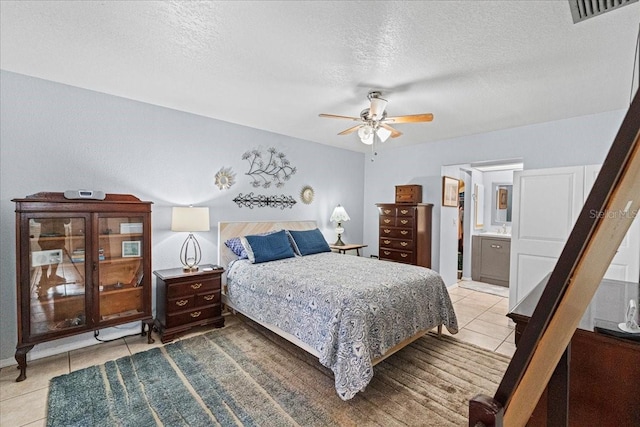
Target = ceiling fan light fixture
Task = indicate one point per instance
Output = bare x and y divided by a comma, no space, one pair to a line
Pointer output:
368,140
366,134
377,108
383,134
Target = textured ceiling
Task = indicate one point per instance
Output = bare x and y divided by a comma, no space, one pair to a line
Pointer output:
477,66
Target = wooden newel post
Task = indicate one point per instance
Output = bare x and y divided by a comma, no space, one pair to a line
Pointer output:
485,411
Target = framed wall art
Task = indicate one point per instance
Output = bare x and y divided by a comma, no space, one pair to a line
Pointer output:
450,191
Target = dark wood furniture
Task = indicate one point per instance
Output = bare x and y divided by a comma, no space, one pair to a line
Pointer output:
187,299
603,370
348,247
491,257
82,265
411,193
405,233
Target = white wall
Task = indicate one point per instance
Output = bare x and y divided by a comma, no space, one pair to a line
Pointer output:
577,141
56,137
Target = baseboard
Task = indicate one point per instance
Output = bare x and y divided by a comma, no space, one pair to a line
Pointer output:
466,279
62,345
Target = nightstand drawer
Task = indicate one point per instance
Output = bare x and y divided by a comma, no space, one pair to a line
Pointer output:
192,286
191,316
180,303
208,298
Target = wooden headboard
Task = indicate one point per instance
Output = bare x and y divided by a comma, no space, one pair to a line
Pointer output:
229,229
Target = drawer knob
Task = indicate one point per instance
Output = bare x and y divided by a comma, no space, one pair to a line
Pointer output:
182,302
404,243
386,242
496,246
196,286
404,221
404,232
387,211
403,255
387,253
196,314
387,221
386,230
209,297
404,211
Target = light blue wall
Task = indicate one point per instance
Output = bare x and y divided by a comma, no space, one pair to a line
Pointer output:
577,141
56,137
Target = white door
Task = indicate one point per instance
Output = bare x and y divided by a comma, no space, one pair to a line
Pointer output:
546,204
625,266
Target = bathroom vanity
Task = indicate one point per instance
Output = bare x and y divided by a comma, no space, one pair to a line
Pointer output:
490,262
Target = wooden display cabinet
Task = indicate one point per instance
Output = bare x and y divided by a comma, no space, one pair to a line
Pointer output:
82,265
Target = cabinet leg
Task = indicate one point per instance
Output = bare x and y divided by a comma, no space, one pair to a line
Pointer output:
21,358
149,324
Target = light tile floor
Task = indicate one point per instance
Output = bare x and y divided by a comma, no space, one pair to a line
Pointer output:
481,320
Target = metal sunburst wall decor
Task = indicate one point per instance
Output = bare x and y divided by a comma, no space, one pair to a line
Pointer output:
225,178
275,170
306,194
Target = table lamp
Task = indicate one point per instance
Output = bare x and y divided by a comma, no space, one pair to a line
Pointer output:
190,219
339,215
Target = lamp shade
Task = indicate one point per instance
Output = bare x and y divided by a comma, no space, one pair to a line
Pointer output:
189,219
376,110
383,133
366,134
339,215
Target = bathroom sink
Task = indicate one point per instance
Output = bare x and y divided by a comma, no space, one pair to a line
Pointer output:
495,234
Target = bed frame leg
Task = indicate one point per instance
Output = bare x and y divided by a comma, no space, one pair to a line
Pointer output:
440,330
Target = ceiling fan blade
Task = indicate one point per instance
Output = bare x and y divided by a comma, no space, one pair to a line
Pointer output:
394,132
335,116
350,130
413,118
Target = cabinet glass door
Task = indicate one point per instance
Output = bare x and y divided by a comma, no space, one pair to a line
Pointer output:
56,273
121,267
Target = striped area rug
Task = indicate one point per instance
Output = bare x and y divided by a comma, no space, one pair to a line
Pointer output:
244,375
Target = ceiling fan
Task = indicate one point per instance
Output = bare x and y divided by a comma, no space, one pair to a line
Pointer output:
374,120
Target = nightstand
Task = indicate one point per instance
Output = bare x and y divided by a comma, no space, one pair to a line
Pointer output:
344,248
187,299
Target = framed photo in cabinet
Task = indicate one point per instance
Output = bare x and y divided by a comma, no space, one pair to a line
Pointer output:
130,249
450,191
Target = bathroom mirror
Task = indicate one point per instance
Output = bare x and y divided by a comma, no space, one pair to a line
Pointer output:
501,201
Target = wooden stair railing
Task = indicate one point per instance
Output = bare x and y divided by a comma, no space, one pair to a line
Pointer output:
607,214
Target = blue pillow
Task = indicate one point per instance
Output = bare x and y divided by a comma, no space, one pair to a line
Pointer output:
236,247
267,248
310,242
235,244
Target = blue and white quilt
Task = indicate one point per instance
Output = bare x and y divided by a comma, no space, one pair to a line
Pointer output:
350,309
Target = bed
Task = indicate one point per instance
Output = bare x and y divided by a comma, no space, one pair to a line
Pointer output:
351,312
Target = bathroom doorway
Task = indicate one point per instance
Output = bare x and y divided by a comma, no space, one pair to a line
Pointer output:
473,215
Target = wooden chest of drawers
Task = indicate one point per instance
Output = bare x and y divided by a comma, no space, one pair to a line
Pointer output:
405,233
411,193
187,299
